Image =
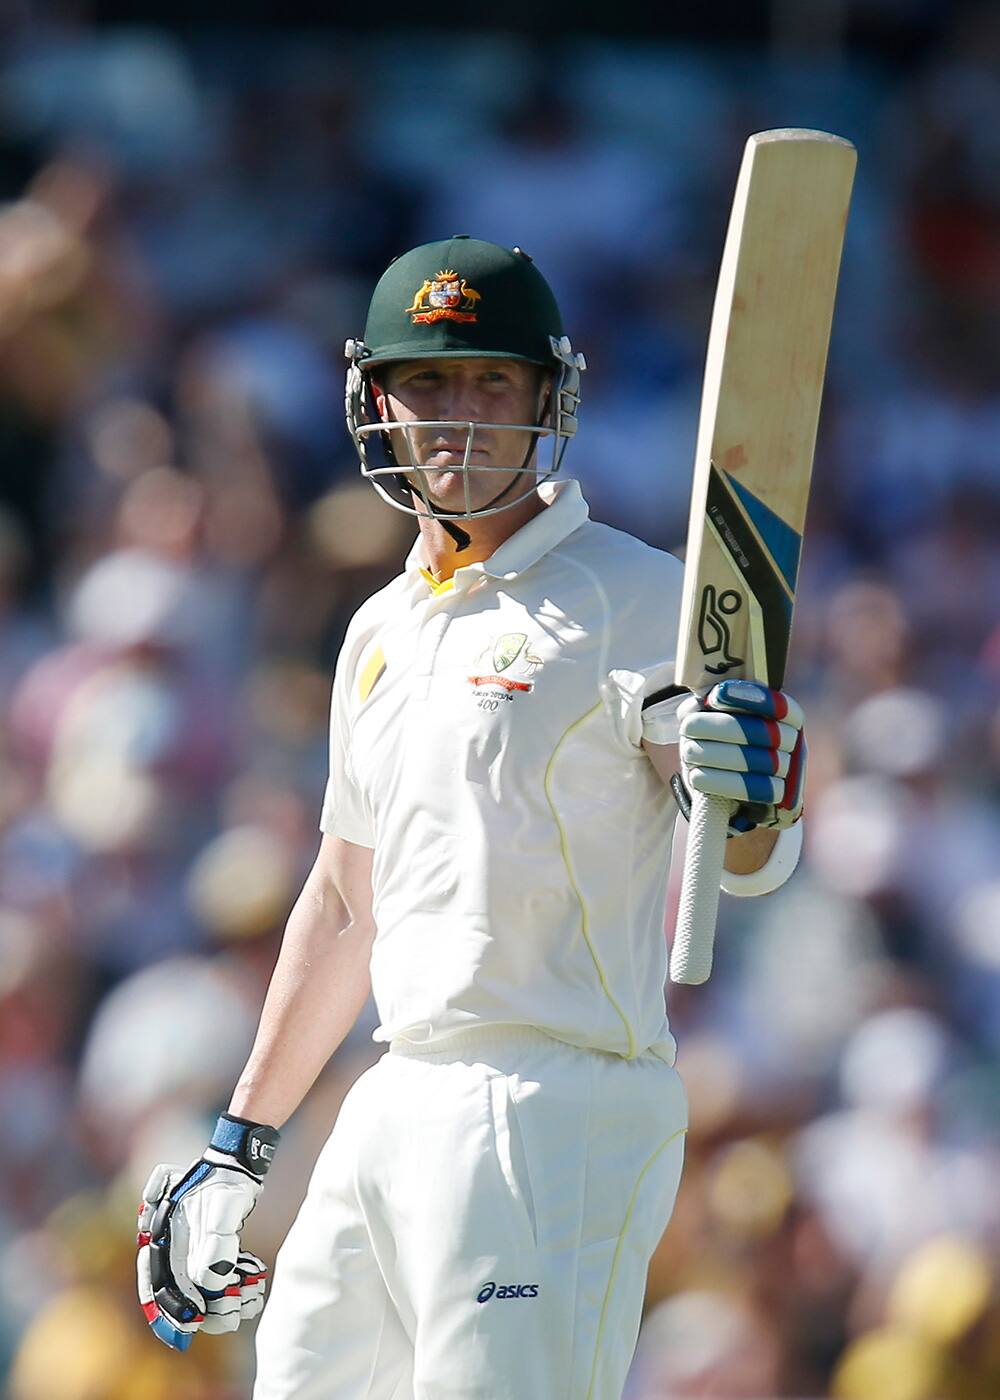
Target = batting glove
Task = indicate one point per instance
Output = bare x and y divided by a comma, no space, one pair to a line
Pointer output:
743,741
192,1274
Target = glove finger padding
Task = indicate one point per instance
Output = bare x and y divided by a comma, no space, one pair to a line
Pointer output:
737,758
176,1335
715,727
790,806
743,741
738,787
173,1308
752,698
241,1301
162,1179
253,1283
786,811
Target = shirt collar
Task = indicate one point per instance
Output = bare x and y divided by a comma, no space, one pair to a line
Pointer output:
565,511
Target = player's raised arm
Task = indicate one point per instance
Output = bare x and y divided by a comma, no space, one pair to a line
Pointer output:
192,1272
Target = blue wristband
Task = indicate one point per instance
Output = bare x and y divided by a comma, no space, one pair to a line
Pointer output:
252,1144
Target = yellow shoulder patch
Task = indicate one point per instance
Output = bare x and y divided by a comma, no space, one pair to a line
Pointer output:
371,672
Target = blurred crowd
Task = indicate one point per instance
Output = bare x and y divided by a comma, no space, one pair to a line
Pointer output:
188,233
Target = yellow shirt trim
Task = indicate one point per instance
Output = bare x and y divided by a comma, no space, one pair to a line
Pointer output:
433,584
574,886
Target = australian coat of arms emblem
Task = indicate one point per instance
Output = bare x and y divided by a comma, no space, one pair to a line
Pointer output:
447,298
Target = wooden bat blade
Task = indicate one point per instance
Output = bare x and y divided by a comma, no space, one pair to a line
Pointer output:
760,405
763,386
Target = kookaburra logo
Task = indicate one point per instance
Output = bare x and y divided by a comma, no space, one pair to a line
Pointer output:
714,635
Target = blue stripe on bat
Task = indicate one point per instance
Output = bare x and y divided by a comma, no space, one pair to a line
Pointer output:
784,543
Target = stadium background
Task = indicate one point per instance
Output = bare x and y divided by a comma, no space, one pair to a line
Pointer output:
196,201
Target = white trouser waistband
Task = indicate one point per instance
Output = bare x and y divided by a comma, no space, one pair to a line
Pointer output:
485,1038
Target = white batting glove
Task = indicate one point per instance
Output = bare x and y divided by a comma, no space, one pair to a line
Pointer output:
192,1274
744,741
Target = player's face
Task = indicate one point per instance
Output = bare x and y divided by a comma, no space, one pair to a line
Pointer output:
461,391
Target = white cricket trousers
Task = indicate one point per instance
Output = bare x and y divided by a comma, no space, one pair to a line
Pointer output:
478,1226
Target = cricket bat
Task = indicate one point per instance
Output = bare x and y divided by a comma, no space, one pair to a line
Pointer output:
756,435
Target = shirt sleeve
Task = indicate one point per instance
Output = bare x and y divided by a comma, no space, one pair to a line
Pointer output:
643,703
639,691
344,812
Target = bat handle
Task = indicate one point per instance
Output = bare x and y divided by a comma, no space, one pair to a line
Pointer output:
694,935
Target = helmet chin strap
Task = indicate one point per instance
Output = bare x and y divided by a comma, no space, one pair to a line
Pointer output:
461,537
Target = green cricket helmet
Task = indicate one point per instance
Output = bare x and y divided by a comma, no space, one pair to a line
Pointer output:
456,299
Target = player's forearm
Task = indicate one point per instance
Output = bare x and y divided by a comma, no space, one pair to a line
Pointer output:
319,985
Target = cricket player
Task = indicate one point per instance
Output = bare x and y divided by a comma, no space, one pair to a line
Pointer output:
495,845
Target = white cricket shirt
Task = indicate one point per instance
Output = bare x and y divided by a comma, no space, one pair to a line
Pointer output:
485,740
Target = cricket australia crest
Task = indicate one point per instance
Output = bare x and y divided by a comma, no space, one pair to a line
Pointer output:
447,298
513,667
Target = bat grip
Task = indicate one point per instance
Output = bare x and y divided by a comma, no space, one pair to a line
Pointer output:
694,935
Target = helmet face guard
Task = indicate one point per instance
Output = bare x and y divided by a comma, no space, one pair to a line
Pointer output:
402,481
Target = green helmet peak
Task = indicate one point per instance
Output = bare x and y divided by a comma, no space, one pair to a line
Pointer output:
462,296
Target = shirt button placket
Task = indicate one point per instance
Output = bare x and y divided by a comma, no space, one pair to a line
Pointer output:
431,636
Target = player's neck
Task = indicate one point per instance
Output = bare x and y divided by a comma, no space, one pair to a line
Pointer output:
486,534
